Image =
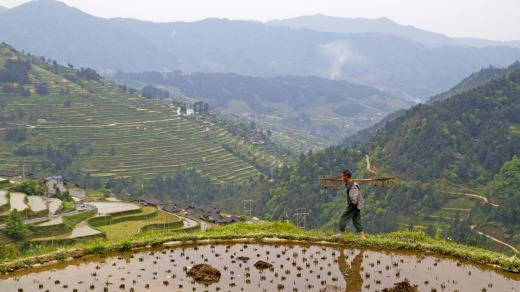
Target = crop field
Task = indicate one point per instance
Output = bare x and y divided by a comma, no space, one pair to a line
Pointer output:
132,227
3,199
297,141
17,201
111,133
54,205
113,207
36,203
117,134
54,221
83,231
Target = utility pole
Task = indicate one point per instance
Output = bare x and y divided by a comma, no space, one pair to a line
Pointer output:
246,210
272,171
301,215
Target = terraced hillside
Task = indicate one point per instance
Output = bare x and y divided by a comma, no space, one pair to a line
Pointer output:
108,132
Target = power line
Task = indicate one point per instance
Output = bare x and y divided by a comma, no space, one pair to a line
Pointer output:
301,216
246,209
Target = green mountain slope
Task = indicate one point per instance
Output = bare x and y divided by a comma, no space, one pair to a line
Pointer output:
476,79
466,138
53,118
445,154
471,82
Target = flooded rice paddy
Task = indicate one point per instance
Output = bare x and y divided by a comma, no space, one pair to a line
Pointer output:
294,267
3,199
17,201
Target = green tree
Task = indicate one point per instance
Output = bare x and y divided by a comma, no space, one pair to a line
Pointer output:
15,227
30,187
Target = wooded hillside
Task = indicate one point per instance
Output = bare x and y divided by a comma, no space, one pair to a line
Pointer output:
466,144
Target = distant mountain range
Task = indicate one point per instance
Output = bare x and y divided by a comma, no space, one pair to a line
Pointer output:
405,61
362,25
386,26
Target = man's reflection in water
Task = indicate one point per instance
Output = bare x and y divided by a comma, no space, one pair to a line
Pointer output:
351,273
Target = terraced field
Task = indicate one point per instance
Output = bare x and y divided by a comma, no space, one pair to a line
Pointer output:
117,134
36,203
3,199
17,201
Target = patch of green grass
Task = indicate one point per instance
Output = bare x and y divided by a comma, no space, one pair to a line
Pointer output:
460,203
67,207
128,228
75,219
281,230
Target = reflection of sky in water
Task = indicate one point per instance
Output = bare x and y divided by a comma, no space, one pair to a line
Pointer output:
295,267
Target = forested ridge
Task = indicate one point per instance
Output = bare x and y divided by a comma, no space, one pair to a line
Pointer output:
478,78
464,139
470,141
473,81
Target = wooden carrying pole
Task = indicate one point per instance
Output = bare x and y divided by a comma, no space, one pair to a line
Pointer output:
334,183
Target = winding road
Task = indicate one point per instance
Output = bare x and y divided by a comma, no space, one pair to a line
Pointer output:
87,207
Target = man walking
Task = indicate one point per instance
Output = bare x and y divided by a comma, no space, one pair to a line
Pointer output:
353,209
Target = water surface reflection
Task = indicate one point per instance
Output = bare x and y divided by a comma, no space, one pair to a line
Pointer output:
295,268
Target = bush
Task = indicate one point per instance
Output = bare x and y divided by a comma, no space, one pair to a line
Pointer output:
9,251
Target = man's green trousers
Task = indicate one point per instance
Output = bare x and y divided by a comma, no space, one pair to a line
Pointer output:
353,212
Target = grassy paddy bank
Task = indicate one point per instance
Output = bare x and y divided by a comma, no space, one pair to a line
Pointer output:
402,240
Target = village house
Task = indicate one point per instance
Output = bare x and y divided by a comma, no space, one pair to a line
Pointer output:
212,214
150,201
172,208
54,184
124,197
208,213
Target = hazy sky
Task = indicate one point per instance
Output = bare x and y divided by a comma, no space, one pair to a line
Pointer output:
487,19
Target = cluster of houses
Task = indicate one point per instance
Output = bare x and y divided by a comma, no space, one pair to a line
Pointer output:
255,137
208,214
55,184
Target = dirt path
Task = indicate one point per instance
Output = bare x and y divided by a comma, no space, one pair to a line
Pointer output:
473,226
494,239
369,168
473,195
